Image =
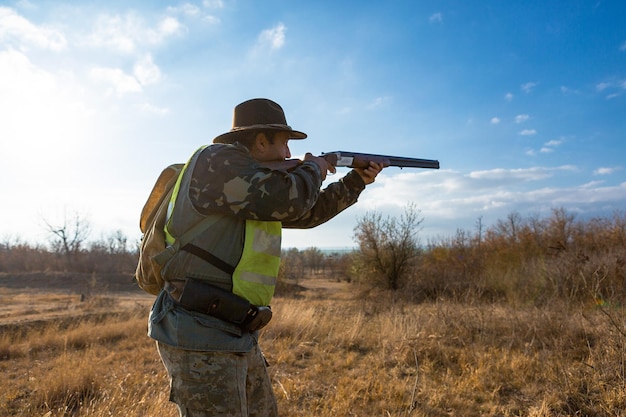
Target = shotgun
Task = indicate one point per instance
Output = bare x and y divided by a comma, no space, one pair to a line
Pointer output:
358,160
362,160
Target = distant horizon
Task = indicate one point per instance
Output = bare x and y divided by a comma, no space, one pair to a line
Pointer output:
422,239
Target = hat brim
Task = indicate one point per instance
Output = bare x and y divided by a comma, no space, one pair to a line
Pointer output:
231,137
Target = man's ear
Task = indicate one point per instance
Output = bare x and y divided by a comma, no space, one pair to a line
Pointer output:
261,142
259,145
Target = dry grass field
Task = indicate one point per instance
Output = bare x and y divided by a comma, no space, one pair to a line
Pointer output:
335,350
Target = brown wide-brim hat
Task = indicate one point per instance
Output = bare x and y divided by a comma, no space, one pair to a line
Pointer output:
258,114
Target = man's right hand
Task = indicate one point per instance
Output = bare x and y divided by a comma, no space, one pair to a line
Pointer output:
324,165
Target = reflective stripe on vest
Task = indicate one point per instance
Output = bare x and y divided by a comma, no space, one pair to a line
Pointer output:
169,239
255,275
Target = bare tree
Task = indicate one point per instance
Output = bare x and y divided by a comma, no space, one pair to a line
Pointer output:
387,246
68,238
117,243
479,230
510,227
561,226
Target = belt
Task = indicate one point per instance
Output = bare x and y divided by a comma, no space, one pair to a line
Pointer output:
205,298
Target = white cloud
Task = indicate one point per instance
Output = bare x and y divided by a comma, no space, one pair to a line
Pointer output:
193,11
379,102
567,90
167,27
20,32
211,19
623,46
554,142
187,9
19,74
120,82
592,184
115,32
547,147
213,4
25,4
440,187
528,87
606,170
129,32
522,174
435,18
508,96
273,38
520,118
445,196
612,88
150,108
528,132
495,120
146,71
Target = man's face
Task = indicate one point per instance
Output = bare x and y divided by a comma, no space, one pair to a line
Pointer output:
279,150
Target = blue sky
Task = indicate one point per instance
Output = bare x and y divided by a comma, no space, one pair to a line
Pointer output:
522,102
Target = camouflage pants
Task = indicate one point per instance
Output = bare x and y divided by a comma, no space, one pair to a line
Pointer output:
204,384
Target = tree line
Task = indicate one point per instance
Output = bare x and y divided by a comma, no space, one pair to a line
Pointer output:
518,259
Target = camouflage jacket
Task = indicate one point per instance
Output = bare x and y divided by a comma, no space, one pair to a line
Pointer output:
227,182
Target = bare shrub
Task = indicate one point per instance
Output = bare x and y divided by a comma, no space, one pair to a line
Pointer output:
529,260
388,247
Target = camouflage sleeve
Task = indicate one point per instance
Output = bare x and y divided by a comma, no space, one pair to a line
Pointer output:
332,200
227,180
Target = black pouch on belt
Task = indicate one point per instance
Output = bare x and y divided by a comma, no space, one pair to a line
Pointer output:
208,299
257,319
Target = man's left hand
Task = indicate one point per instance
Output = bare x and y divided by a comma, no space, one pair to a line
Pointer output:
369,174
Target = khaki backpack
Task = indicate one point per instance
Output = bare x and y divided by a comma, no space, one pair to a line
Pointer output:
152,225
154,252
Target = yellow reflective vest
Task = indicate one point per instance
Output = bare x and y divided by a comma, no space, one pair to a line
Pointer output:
255,275
256,272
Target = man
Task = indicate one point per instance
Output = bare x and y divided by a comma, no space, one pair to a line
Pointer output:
218,289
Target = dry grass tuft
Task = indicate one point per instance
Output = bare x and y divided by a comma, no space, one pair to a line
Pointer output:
375,357
344,354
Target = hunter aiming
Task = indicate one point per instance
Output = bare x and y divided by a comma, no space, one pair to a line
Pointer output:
218,288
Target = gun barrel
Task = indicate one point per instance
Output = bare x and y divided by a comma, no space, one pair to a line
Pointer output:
413,162
361,160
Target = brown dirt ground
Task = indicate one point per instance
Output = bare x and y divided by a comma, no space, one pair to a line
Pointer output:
31,298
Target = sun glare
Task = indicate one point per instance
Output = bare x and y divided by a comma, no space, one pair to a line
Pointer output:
44,122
